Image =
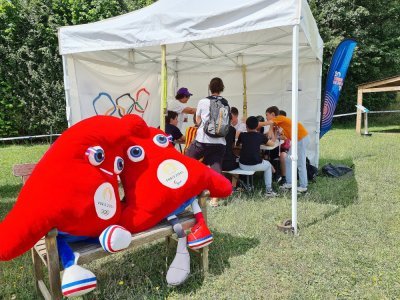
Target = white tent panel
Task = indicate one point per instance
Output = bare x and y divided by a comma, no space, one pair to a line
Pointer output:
177,21
113,66
266,87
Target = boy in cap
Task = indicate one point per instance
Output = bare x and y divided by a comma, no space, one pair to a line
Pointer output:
179,105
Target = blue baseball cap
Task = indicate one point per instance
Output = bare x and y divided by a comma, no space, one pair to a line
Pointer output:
184,91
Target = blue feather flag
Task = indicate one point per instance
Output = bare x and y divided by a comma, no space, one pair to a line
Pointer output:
334,81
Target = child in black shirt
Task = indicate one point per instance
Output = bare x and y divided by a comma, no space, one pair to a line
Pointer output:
250,159
171,122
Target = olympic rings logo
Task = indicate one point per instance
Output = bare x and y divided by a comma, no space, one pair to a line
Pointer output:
125,104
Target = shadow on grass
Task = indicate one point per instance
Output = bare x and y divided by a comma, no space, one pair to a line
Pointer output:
143,272
10,190
341,191
5,208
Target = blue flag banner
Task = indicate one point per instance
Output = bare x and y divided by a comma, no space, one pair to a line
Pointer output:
334,81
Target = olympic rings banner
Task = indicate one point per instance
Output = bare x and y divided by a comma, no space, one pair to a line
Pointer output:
334,81
115,90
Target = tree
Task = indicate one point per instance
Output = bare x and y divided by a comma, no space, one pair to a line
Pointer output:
32,95
374,25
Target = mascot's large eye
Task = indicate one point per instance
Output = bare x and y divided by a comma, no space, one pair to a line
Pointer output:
95,155
161,140
136,153
118,165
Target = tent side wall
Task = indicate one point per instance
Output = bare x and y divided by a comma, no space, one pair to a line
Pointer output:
267,87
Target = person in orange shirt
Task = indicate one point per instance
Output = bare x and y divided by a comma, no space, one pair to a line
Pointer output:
275,119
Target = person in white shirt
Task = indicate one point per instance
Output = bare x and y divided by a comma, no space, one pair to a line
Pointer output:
236,122
179,105
211,148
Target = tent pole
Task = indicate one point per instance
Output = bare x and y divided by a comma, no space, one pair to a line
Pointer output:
66,90
164,90
244,74
295,96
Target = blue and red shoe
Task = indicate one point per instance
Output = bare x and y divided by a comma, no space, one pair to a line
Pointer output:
199,236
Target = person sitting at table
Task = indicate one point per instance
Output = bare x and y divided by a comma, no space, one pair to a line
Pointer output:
250,159
171,122
261,129
236,122
277,156
190,134
229,161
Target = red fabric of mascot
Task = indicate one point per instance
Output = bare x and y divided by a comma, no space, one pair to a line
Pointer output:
159,182
157,179
73,188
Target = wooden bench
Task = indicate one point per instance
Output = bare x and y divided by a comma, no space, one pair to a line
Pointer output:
249,184
45,250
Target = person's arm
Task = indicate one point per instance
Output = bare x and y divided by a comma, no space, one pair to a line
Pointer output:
265,123
198,120
189,110
237,134
271,134
239,141
181,139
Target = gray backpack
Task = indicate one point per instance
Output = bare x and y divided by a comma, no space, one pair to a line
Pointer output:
220,117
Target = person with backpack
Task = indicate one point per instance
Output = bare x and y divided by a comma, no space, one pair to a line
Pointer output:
213,115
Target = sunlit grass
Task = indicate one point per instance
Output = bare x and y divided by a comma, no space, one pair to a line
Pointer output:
348,245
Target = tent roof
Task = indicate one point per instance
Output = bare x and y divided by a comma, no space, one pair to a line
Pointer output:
179,21
393,81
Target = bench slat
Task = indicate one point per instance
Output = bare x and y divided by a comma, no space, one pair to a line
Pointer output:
89,251
239,171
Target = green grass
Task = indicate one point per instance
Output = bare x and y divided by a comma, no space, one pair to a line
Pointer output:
348,247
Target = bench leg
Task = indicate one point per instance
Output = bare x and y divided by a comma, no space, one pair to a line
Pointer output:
37,270
53,266
204,260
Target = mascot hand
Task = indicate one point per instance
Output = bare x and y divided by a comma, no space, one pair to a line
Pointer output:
115,238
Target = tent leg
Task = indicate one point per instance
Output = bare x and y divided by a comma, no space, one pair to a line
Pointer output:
244,74
295,95
164,91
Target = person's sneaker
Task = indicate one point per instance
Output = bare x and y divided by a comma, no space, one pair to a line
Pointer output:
282,181
270,193
199,236
301,189
286,186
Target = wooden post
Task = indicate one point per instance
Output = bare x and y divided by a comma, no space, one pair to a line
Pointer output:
244,73
164,87
37,269
359,102
53,264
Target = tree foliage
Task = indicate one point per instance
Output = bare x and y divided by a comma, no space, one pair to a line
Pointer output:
32,97
375,27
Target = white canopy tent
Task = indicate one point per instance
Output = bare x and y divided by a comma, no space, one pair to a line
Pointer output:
258,47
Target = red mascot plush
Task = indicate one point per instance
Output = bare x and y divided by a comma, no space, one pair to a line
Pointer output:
73,188
159,182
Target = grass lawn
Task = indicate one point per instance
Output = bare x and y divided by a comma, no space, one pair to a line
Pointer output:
348,247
